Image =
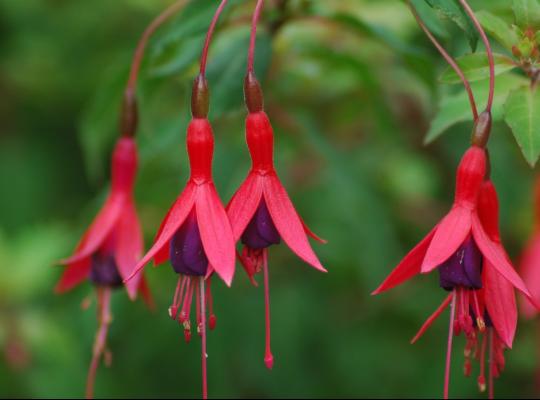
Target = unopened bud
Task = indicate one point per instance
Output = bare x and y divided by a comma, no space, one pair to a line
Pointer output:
481,130
129,116
253,94
200,98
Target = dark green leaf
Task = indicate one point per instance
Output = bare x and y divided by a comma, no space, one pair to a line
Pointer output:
498,28
455,108
476,67
451,9
527,13
521,113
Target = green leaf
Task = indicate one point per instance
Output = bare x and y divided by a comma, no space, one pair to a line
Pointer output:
521,114
527,13
430,18
498,28
452,10
476,67
454,108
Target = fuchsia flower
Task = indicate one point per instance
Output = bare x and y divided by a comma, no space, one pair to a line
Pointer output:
466,249
110,248
530,261
261,212
196,235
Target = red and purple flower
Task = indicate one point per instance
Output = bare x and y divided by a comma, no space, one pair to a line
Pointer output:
110,248
530,260
261,212
466,249
196,235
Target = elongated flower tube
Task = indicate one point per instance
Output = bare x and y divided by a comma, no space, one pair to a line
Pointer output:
110,248
530,259
466,249
261,212
196,235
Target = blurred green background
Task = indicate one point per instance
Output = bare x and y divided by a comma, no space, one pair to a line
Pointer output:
351,87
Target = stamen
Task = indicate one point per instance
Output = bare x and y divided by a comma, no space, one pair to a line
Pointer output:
203,335
198,308
268,357
432,318
187,309
491,364
482,377
212,320
178,294
183,316
449,348
105,319
479,319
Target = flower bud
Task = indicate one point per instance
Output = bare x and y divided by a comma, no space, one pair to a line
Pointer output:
200,98
129,117
481,130
253,94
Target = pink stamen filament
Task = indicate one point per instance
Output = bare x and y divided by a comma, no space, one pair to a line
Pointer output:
105,319
449,347
203,336
210,302
183,312
209,34
268,357
252,40
432,318
482,377
491,364
198,308
479,317
448,59
489,52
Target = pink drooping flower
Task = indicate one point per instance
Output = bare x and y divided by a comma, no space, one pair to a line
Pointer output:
196,235
261,212
110,248
466,249
530,260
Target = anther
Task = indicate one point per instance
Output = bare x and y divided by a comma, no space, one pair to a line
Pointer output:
482,383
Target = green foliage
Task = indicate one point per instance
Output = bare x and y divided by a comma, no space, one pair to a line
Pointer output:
521,114
452,10
498,28
476,67
454,106
351,87
527,13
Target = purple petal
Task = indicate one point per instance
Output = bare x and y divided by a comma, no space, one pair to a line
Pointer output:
104,271
463,268
261,231
186,250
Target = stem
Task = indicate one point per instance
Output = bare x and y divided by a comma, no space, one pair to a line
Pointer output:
489,52
148,32
448,59
254,22
268,357
209,34
449,348
203,337
104,317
